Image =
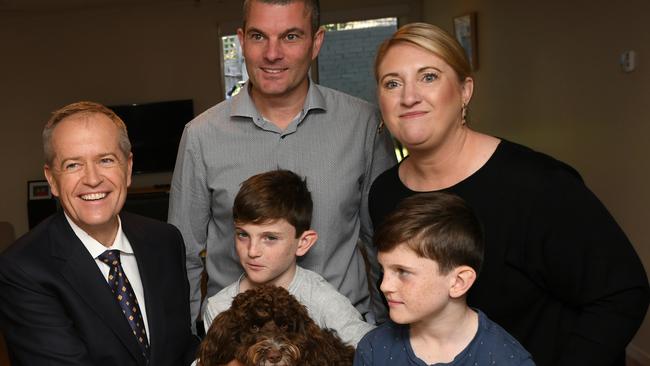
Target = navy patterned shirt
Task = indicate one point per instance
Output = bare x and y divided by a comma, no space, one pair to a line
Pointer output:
389,345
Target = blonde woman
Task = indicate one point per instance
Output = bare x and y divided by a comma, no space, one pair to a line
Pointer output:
559,274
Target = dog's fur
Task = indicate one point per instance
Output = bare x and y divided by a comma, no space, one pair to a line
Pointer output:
267,326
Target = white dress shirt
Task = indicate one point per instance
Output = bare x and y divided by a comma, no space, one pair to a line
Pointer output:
127,259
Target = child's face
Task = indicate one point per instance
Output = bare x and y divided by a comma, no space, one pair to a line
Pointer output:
415,290
268,251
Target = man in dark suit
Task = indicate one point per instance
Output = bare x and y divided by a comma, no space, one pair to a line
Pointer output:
91,285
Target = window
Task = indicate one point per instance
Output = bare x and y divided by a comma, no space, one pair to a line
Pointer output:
347,57
234,69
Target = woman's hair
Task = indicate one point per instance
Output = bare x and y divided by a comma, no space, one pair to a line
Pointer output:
432,39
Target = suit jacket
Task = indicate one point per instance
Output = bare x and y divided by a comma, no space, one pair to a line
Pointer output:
56,307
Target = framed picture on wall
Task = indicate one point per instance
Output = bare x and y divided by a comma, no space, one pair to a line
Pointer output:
465,32
38,190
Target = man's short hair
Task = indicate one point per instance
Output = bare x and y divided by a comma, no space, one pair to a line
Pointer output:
82,108
274,195
439,226
311,6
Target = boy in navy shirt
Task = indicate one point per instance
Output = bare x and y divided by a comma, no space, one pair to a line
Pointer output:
431,249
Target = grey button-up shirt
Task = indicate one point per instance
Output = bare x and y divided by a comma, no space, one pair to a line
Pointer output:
335,142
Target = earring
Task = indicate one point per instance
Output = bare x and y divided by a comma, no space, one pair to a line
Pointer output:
464,113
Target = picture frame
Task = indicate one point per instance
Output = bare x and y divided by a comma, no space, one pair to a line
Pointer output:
466,34
38,190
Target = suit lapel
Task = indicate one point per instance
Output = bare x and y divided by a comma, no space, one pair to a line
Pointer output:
81,271
154,291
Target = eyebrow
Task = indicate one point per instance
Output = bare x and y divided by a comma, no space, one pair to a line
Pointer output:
397,265
388,75
277,233
419,71
429,67
293,30
284,33
253,30
67,160
98,156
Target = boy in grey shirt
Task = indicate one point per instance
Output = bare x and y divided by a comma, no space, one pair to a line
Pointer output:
272,215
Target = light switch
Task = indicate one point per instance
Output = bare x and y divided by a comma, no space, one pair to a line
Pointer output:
628,61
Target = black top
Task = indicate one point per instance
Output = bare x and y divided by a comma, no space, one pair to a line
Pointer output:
559,273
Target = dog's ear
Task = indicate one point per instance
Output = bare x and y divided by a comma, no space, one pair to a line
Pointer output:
300,315
324,348
221,341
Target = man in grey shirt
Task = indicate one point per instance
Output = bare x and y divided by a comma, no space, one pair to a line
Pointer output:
281,119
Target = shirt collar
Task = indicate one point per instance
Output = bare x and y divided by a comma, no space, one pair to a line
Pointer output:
96,248
243,106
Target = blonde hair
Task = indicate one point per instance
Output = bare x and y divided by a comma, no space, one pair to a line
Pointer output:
432,39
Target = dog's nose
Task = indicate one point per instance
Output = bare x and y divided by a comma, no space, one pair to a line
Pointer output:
274,356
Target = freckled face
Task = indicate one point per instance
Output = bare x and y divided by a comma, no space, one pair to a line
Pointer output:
278,47
413,287
89,174
267,252
420,96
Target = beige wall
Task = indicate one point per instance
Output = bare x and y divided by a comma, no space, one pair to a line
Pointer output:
549,78
115,55
109,55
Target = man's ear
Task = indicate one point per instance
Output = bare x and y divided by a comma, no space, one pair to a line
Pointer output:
318,42
129,169
462,279
240,35
306,240
50,180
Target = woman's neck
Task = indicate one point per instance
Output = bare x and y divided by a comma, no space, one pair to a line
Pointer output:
449,163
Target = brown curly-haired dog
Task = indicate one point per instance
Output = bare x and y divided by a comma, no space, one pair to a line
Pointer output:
267,326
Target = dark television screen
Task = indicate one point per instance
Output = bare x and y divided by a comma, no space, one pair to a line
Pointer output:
155,130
